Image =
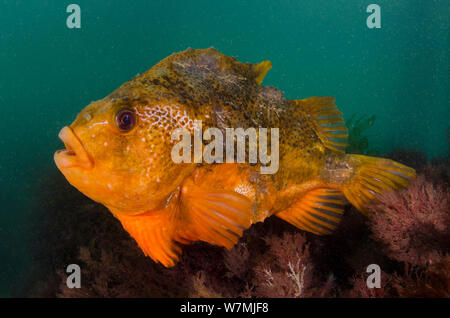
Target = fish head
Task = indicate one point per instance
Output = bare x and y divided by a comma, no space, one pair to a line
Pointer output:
118,152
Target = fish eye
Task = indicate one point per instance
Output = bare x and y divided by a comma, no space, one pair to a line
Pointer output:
125,119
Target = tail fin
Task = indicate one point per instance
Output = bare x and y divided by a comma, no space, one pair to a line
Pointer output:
372,176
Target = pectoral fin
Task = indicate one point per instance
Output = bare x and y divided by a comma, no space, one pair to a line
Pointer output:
215,216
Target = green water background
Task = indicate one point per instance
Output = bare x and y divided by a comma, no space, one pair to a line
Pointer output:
48,73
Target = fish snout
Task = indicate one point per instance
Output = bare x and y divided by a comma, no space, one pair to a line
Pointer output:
74,155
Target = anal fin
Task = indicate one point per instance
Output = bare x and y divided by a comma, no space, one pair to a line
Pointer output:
318,211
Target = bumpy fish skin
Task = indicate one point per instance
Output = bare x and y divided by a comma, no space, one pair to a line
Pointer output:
163,204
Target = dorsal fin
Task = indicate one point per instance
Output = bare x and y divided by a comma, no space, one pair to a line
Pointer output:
260,70
328,121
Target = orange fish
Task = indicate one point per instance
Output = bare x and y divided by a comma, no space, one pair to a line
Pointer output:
118,153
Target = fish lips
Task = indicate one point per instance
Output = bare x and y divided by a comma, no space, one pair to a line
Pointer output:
74,155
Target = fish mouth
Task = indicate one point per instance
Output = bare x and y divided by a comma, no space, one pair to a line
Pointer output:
74,155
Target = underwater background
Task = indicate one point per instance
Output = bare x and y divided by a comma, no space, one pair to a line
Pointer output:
48,73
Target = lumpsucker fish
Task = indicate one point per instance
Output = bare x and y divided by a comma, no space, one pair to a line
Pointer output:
118,153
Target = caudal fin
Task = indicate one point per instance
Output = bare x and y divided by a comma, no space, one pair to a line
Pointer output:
372,176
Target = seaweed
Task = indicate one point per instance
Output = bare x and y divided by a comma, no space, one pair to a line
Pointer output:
357,142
